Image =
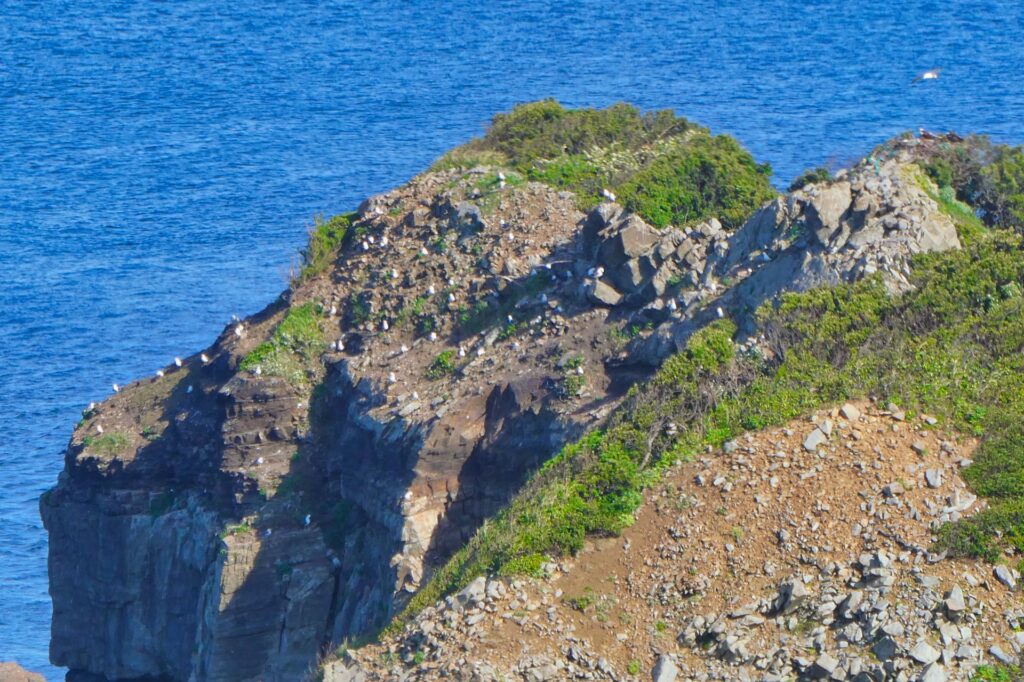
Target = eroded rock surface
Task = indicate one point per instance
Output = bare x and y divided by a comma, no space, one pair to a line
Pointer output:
247,509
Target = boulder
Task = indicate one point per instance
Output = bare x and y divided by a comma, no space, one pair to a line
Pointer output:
825,209
603,293
664,670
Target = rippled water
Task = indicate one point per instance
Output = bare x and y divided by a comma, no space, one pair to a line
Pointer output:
160,161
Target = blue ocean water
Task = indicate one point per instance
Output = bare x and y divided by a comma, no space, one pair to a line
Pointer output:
161,161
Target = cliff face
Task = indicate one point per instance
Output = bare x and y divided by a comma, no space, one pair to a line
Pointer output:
293,485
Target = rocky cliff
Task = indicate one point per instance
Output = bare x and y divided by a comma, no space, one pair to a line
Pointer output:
289,488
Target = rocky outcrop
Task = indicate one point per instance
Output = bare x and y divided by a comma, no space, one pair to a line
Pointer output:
742,566
290,487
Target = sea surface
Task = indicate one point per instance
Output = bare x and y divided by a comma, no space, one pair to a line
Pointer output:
160,162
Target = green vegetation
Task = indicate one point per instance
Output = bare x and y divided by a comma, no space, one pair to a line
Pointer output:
107,444
987,176
997,673
573,381
810,176
661,165
442,366
633,667
707,177
325,239
293,349
968,225
243,527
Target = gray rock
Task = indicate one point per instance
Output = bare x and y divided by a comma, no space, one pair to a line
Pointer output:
825,210
474,592
814,439
823,667
603,293
664,670
934,673
1005,575
884,649
933,477
924,653
955,605
997,653
850,412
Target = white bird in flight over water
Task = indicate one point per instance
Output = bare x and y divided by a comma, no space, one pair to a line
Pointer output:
931,75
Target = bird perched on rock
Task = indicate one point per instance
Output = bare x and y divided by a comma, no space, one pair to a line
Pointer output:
929,75
719,312
462,352
404,348
160,373
925,135
240,330
204,358
116,388
607,195
384,325
99,428
431,290
392,378
433,336
177,362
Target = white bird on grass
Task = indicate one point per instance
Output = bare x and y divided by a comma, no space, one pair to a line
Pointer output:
607,195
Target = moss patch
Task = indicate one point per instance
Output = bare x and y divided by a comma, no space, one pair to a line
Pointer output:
325,239
293,349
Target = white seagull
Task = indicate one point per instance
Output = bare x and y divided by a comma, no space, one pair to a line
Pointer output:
160,373
204,358
177,362
99,428
607,194
116,388
431,290
384,325
930,75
